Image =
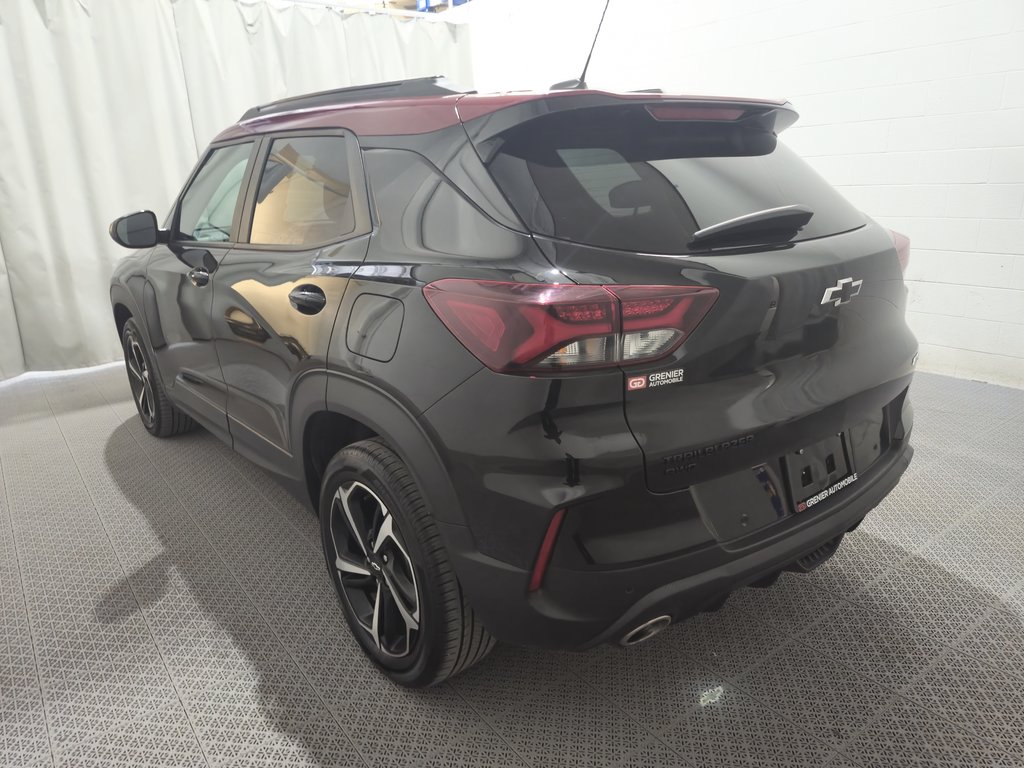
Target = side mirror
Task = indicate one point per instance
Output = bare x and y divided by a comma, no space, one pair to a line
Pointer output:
136,230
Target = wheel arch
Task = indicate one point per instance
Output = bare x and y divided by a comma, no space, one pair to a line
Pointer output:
121,317
123,306
350,409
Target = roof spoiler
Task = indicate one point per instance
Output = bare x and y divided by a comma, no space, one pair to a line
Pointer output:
436,85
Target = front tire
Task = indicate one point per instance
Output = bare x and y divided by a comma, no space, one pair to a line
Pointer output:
158,414
399,594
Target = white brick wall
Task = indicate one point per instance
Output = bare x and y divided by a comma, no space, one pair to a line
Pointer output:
915,108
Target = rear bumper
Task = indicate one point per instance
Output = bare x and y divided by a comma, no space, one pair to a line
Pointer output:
576,609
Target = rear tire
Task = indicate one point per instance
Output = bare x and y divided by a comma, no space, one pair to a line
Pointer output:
395,582
158,414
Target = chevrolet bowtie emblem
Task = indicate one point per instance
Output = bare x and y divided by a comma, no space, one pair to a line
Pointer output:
842,292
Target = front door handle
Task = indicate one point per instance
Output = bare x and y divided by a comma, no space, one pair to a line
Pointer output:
308,299
199,277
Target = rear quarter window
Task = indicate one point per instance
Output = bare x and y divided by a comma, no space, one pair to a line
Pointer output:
304,196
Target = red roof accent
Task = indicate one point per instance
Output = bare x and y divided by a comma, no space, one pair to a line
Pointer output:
391,117
374,118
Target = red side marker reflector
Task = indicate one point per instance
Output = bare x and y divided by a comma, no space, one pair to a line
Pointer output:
902,243
546,548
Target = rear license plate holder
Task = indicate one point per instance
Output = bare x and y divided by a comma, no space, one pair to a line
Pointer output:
815,469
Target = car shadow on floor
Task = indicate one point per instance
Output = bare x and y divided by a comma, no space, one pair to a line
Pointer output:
251,631
862,654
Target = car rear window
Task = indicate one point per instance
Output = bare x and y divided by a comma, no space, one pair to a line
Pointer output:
616,177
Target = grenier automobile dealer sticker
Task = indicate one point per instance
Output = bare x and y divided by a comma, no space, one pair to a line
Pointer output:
659,379
804,505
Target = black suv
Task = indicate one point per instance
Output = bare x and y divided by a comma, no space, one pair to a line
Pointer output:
554,368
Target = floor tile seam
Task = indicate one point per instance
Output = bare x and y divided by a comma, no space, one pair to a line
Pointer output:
841,603
651,732
901,696
910,555
904,695
931,456
486,724
943,648
963,646
981,499
951,650
288,518
984,606
997,424
1012,586
838,746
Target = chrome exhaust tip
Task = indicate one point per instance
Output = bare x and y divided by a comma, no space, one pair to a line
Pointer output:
645,631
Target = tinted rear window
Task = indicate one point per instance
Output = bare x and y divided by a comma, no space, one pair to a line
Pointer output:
615,177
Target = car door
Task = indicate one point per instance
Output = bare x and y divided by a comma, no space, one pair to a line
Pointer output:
277,293
179,290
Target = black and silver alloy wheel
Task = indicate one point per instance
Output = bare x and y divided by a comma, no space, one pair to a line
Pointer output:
139,379
159,415
375,570
400,595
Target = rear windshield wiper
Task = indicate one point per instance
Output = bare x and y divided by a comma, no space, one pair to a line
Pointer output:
771,226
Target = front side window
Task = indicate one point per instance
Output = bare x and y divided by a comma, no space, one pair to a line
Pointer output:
305,193
208,205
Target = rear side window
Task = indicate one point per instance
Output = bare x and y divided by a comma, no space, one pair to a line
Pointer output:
208,205
616,177
305,193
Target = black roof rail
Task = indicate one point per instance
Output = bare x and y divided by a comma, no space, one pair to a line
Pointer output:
436,85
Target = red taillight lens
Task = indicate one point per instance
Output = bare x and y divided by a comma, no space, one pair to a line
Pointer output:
528,327
656,319
513,326
902,243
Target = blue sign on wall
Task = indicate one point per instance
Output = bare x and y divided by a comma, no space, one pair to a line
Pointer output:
426,5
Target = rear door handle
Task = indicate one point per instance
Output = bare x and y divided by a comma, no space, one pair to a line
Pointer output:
308,299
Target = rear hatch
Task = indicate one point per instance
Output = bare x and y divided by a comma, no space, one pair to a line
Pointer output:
807,338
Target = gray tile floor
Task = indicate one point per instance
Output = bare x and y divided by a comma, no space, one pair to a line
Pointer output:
165,603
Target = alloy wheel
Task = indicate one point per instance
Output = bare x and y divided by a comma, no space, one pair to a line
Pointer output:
374,569
139,378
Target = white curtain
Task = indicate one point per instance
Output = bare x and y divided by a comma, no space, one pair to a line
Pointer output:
104,106
11,359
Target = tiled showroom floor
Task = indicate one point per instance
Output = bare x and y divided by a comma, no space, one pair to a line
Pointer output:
165,602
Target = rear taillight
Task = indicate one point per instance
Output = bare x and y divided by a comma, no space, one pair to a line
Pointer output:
902,244
530,327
